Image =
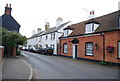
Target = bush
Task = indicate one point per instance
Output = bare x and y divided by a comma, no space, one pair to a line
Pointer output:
103,63
18,53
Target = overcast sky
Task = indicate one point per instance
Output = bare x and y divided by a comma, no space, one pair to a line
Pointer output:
32,14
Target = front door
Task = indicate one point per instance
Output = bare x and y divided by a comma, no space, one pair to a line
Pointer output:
75,50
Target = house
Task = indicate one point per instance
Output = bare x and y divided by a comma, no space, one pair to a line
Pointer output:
97,38
49,37
7,21
33,41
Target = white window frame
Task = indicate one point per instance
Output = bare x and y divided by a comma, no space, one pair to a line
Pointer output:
65,48
119,49
89,49
91,27
119,22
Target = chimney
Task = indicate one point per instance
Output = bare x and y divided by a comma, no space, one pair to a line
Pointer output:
8,9
47,26
39,30
92,15
59,21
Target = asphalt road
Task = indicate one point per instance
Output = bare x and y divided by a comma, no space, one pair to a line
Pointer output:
58,67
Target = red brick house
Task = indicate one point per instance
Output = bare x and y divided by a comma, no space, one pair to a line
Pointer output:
94,39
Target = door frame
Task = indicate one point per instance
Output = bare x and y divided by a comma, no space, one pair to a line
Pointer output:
74,53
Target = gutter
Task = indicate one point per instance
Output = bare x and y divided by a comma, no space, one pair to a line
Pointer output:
89,34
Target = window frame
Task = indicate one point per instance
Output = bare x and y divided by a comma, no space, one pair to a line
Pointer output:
118,49
65,50
91,26
90,50
46,37
53,35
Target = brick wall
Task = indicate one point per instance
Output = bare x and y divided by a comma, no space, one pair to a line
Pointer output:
111,38
1,53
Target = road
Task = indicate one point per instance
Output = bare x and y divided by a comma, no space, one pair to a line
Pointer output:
58,67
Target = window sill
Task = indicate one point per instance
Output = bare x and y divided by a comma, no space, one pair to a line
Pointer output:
90,55
64,53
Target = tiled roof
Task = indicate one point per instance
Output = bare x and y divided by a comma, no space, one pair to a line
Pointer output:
36,35
50,30
107,22
10,23
55,29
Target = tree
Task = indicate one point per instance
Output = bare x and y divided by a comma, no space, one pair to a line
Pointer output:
11,40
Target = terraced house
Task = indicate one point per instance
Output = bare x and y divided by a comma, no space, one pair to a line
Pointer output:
97,38
49,37
7,21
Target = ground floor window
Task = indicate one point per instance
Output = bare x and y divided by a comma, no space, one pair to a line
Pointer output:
65,48
118,49
89,48
52,46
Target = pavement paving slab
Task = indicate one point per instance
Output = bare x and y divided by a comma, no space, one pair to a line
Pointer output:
15,68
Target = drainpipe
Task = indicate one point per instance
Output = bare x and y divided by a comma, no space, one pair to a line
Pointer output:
60,46
102,34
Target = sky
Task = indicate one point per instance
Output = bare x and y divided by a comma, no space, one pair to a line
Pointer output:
33,14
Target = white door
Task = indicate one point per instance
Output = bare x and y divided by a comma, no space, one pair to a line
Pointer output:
75,50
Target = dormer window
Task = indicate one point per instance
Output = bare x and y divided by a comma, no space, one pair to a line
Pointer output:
91,27
67,31
119,22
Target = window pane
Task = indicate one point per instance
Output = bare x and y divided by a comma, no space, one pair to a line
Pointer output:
89,48
119,49
65,48
119,23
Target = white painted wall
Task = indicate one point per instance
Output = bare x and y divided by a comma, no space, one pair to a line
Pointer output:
43,41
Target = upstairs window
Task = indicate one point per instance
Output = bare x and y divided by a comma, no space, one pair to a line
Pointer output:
54,36
51,36
46,37
119,22
91,27
66,32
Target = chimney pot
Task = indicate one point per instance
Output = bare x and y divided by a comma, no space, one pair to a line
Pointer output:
90,13
6,5
10,6
93,12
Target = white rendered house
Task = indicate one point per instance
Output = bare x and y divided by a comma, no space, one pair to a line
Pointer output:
49,37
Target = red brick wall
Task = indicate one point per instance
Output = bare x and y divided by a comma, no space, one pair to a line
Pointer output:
1,53
81,47
111,39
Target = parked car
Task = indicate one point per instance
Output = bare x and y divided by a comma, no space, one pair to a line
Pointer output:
46,51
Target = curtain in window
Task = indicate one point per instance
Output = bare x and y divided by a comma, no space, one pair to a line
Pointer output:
65,50
89,48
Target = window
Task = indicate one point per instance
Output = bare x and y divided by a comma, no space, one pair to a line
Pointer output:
65,48
119,22
91,27
54,36
66,32
51,36
46,45
46,37
53,46
89,48
118,49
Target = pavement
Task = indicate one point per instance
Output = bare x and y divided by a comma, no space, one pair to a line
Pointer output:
16,68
